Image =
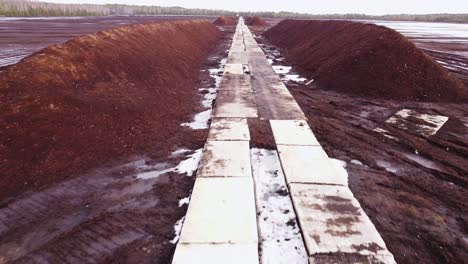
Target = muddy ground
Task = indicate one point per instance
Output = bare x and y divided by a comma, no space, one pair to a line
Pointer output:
22,37
413,187
111,214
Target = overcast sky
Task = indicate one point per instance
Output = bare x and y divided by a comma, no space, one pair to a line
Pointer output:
373,7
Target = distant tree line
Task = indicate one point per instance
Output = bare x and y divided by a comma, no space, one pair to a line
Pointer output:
31,8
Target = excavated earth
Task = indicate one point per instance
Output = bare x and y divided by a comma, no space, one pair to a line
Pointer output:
20,37
412,186
371,60
226,21
82,120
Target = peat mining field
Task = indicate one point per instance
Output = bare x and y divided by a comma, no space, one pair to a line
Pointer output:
20,37
406,147
98,163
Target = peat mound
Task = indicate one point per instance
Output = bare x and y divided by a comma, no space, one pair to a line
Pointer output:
226,21
365,59
73,106
255,21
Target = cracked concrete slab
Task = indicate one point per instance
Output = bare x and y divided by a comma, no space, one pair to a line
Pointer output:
333,221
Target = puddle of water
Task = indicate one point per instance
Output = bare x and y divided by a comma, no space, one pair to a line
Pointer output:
387,166
385,132
423,161
357,162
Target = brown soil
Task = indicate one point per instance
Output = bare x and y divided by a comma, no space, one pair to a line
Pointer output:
413,188
106,215
20,37
71,107
261,135
225,21
255,21
365,59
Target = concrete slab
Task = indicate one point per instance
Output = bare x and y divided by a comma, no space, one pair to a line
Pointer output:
309,164
426,124
221,210
235,82
332,221
235,103
216,253
229,129
233,69
274,100
293,132
225,159
238,57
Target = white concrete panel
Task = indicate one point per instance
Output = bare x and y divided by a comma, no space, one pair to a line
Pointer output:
236,82
293,132
229,129
216,254
233,69
238,57
225,159
427,126
235,103
221,210
332,221
309,164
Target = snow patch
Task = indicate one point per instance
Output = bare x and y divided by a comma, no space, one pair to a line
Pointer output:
200,120
340,167
187,166
184,201
294,78
280,237
177,229
279,69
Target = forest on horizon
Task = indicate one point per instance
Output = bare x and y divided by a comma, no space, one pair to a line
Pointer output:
30,8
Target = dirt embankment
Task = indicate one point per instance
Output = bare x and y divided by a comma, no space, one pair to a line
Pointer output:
92,99
255,21
226,21
365,59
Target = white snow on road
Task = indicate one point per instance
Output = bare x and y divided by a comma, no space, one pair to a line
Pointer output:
280,236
